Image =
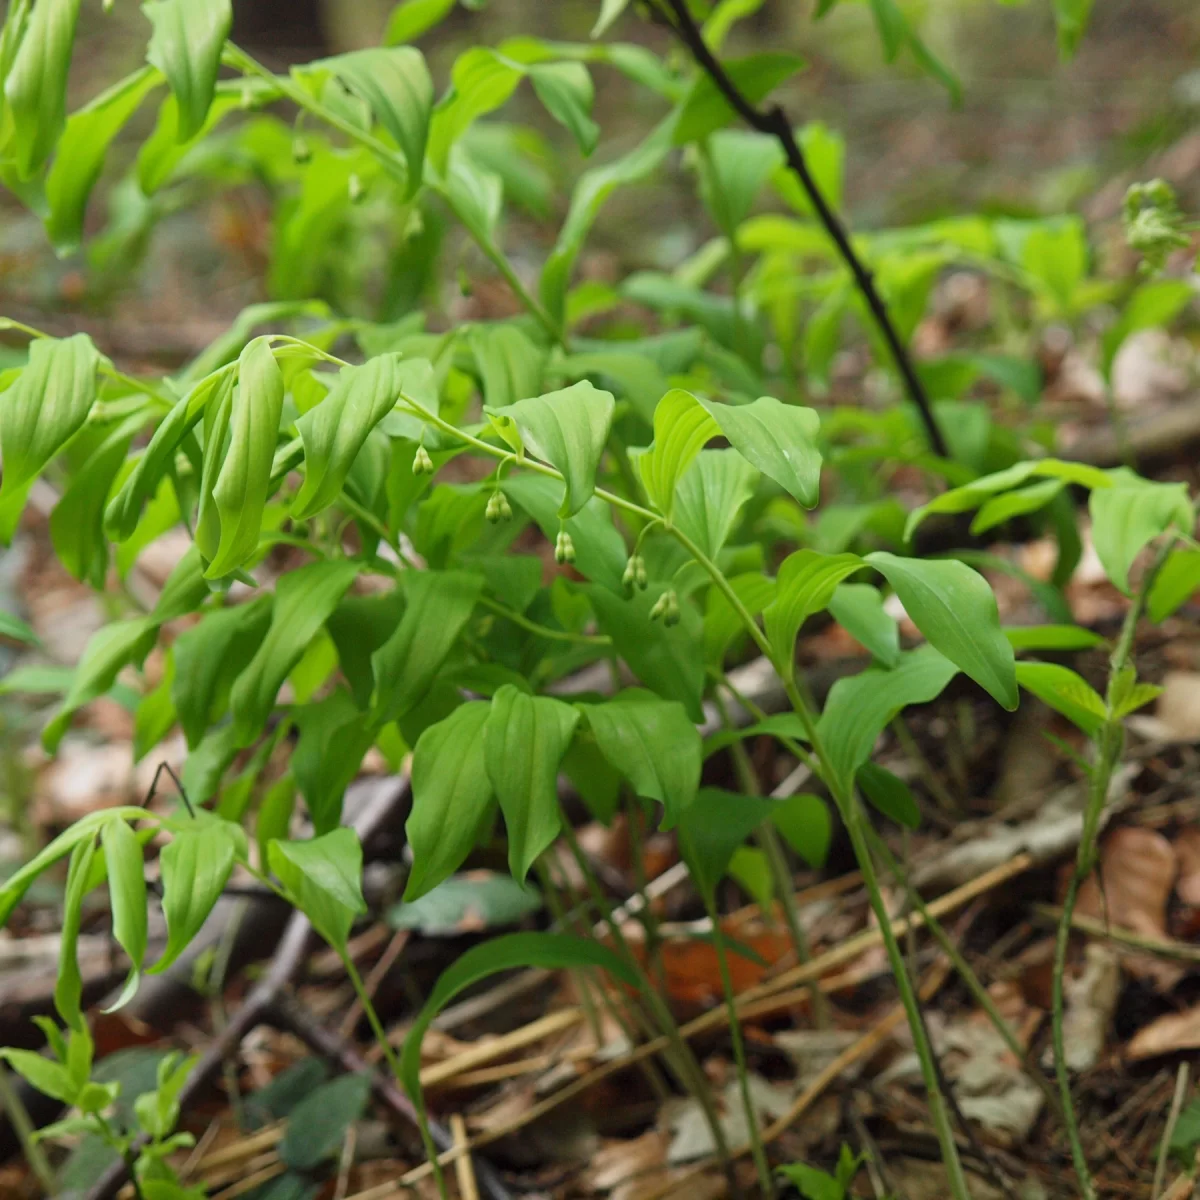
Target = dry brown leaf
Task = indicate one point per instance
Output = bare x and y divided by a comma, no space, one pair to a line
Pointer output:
1139,868
1179,705
1175,1031
1091,1002
1187,851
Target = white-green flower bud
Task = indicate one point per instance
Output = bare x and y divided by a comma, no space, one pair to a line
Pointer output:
564,548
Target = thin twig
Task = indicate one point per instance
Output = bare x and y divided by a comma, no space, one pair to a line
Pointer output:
1164,1150
775,123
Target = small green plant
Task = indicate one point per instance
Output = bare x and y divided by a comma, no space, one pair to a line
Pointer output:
417,610
147,1143
814,1184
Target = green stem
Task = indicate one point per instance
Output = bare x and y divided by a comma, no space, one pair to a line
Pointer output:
18,1118
544,631
685,1063
757,1149
1109,742
768,841
393,1062
974,985
239,60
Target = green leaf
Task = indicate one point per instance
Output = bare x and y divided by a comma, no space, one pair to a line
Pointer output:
1139,695
125,509
334,736
975,493
108,651
127,896
1072,18
806,584
1152,305
12,627
524,740
68,988
465,904
610,10
17,884
396,83
439,604
953,606
43,410
317,1126
750,869
706,110
889,794
1127,517
274,815
209,657
196,865
591,192
1174,584
710,496
36,86
304,599
804,821
713,827
412,18
1008,505
566,92
1051,637
186,46
49,1077
240,491
482,81
667,659
741,163
1065,692
81,152
859,708
359,626
335,430
77,520
681,427
550,951
778,439
858,609
324,878
568,429
510,365
452,797
653,744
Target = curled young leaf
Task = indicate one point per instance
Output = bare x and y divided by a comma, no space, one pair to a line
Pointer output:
239,494
186,46
41,412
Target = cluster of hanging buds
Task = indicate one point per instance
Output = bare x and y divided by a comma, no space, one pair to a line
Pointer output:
422,463
564,548
666,607
498,508
634,575
301,149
